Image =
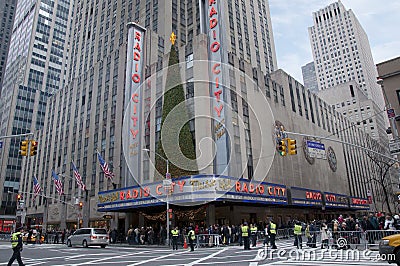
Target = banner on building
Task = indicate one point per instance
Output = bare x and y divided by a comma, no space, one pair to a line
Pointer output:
133,120
219,94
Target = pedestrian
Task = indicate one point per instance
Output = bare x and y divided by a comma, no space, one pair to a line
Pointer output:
192,237
175,235
266,232
313,231
63,236
16,244
297,235
130,235
56,237
272,233
324,236
240,238
245,236
308,235
253,231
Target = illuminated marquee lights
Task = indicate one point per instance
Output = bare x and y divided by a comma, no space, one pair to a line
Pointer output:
137,51
214,48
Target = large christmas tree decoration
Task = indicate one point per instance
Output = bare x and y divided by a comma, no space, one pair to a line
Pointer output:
176,137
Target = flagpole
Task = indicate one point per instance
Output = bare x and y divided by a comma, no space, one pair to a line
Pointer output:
78,212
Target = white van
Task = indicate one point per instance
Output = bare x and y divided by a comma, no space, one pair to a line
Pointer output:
88,237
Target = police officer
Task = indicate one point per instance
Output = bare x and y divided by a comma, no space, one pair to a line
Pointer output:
245,236
297,235
272,233
175,235
253,231
192,237
16,244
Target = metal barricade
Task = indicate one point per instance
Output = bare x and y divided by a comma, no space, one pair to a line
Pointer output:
348,240
5,236
282,233
208,240
373,237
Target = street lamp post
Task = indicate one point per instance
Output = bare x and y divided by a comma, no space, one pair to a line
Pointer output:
166,183
392,120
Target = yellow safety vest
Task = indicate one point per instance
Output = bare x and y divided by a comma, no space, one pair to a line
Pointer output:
272,228
175,233
253,230
14,239
245,231
297,229
192,235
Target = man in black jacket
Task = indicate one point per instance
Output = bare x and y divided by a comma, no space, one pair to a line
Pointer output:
16,244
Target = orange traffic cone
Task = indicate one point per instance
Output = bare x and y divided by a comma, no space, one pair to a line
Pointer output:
185,246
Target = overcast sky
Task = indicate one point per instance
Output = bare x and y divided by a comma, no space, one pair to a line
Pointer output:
291,19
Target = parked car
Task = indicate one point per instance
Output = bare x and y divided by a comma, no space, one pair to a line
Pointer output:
88,237
389,248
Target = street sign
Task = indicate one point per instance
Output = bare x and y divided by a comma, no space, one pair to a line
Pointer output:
394,147
316,150
390,113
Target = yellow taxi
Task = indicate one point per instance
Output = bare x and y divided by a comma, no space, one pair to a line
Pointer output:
389,248
32,239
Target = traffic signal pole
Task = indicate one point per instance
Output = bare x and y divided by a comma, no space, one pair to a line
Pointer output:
16,136
342,142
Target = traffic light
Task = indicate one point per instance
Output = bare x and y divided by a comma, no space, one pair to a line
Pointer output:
20,202
33,150
282,147
292,147
23,146
80,205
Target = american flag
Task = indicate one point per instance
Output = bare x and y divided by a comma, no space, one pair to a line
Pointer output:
78,177
104,167
57,182
36,187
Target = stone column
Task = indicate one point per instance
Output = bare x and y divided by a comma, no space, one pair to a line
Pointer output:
210,219
63,216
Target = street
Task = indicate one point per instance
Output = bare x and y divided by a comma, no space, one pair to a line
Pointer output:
50,254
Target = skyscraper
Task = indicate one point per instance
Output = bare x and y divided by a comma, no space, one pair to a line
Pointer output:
310,77
342,52
7,13
35,70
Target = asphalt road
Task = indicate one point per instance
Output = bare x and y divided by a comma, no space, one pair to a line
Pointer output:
61,255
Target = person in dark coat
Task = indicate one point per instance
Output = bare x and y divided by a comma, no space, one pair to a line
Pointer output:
63,237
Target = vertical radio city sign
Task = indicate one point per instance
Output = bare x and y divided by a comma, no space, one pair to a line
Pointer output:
217,92
134,95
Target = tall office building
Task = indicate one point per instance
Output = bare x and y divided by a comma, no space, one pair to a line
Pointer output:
341,51
36,66
310,77
7,13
